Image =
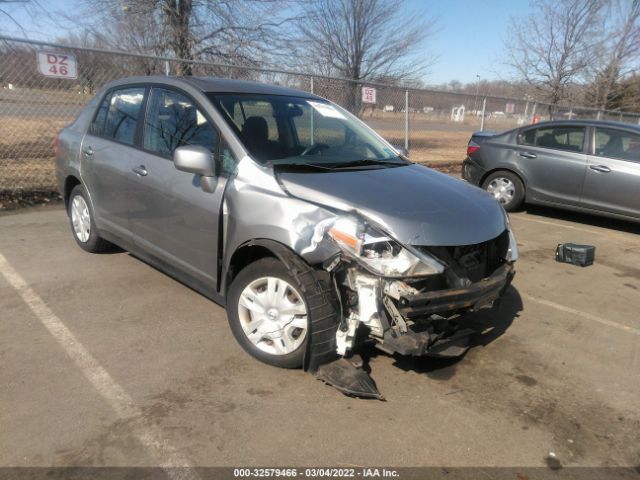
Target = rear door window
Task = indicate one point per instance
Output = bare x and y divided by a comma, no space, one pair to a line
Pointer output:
123,114
567,138
613,143
173,121
97,126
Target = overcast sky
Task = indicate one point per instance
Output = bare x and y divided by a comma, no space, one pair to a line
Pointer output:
469,38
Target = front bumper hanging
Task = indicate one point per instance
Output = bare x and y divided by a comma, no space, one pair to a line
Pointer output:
477,295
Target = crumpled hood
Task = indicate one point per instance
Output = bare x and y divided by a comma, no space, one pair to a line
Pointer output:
415,204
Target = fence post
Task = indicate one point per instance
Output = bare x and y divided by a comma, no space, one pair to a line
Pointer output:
406,120
167,72
484,107
598,115
311,136
533,112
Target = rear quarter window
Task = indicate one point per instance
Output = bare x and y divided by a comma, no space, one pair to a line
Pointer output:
528,137
97,126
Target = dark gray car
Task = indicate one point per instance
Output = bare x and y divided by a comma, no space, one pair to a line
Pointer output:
314,232
591,166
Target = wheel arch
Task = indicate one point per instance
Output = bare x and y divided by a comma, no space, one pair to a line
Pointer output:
69,184
252,251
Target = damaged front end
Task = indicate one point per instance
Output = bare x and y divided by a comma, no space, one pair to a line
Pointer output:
407,299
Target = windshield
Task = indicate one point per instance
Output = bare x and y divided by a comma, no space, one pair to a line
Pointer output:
293,130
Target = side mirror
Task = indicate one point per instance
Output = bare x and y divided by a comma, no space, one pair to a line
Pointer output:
198,160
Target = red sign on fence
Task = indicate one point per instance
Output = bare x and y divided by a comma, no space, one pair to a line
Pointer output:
57,64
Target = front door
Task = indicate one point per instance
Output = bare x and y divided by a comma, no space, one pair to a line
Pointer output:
612,183
170,216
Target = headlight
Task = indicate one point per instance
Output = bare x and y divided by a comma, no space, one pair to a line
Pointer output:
379,253
512,251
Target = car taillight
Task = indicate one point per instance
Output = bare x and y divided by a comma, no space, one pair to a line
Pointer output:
472,149
56,146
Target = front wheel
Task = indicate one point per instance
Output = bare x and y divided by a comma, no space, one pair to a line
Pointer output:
506,188
268,313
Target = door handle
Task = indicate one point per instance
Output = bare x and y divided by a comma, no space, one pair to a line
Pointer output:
600,168
141,170
527,155
88,151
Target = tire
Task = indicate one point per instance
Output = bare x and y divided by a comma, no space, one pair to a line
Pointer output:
81,219
276,332
507,188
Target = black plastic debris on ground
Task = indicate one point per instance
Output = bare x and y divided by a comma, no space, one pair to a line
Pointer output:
581,255
348,376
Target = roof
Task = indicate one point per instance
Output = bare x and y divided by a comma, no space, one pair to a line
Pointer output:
219,85
598,123
224,85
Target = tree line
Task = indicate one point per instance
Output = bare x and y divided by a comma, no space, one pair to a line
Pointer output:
565,52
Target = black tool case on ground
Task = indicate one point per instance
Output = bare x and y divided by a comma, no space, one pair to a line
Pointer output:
582,255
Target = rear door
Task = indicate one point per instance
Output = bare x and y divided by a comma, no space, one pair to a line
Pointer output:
171,217
553,161
107,154
612,182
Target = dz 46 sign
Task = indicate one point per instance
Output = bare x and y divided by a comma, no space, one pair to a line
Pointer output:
57,64
368,95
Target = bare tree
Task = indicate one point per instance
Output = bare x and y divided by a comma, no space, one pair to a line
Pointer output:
5,11
620,50
552,48
242,32
364,40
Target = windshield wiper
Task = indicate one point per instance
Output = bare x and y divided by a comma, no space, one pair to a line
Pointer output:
301,166
364,162
367,162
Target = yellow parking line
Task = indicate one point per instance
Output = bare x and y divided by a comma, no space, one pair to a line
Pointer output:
588,316
150,436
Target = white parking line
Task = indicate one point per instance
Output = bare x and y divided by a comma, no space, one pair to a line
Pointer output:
150,436
586,315
596,230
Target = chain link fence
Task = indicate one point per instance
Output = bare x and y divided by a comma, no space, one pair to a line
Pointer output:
433,125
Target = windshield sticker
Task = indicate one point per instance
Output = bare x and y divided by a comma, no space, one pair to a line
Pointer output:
326,110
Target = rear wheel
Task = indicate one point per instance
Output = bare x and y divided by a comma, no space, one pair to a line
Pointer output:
82,223
506,188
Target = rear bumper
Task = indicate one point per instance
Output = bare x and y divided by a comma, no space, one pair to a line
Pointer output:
471,172
477,295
